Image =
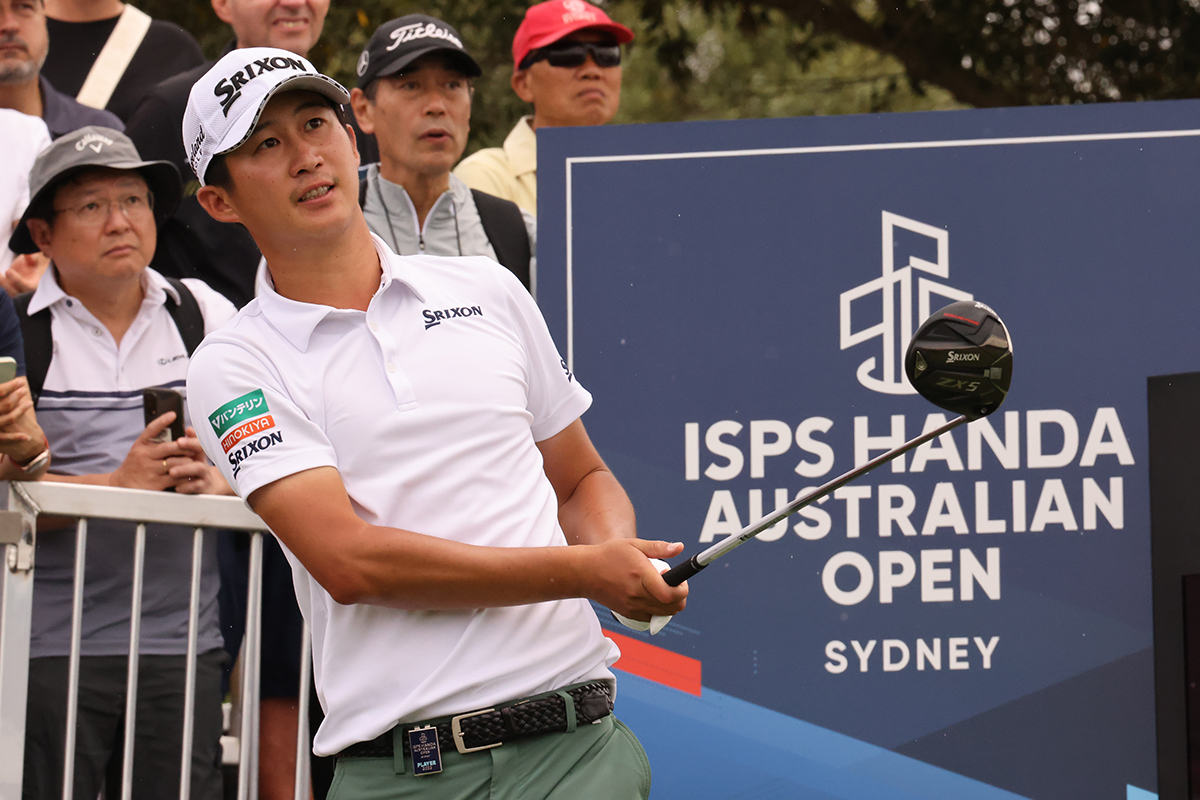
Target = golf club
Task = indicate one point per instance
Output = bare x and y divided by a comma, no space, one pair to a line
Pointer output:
959,359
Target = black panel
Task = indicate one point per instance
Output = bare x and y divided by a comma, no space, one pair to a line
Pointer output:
1174,403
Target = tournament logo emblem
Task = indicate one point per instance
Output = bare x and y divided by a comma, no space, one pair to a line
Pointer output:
904,295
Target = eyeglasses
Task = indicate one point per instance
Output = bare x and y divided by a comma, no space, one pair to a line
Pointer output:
95,212
570,54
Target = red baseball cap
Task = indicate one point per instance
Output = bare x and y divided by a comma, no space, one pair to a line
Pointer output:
548,22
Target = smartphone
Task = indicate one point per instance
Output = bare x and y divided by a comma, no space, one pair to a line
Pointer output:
157,401
8,369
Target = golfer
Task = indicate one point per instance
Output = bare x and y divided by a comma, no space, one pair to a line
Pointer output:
408,431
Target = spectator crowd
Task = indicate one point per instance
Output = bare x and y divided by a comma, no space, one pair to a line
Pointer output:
114,272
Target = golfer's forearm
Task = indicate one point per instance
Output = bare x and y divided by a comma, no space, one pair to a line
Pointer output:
402,569
597,511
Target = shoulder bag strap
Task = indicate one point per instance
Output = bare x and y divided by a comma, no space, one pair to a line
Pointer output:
110,65
187,316
39,344
505,229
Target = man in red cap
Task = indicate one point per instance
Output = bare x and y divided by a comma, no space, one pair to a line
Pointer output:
567,63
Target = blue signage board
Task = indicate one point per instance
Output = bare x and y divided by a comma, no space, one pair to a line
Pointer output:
973,620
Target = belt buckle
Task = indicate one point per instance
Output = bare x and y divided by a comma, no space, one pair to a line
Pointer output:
456,729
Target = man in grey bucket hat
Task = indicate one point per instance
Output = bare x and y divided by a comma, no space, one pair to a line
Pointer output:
89,148
110,326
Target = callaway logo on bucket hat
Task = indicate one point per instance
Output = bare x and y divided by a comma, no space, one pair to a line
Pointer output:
225,104
87,148
398,43
548,22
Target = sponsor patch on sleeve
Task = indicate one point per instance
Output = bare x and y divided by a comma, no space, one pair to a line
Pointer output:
237,411
247,429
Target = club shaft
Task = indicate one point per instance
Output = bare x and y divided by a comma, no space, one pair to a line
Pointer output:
678,574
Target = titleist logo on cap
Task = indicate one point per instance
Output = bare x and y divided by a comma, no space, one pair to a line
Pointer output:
421,30
229,88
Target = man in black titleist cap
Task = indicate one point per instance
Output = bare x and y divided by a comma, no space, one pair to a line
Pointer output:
99,328
414,93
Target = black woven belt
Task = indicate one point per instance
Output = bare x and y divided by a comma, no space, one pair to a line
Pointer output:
492,727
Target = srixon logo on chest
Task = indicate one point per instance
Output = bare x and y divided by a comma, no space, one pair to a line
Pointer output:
438,317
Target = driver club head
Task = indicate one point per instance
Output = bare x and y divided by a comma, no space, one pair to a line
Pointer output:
960,359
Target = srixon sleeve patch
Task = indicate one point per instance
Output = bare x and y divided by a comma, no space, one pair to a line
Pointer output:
245,426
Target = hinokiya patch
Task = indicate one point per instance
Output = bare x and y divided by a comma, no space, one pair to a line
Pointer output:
246,430
237,411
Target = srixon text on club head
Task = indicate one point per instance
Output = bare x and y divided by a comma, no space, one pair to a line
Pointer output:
960,359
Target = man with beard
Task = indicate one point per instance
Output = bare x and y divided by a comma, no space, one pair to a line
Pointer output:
107,54
24,43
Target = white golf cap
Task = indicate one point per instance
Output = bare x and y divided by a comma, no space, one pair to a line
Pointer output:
225,104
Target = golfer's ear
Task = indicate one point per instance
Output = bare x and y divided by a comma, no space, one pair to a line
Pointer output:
215,201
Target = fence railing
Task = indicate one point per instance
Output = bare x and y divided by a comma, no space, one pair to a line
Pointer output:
26,501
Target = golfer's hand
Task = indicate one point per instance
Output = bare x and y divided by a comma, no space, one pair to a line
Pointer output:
623,579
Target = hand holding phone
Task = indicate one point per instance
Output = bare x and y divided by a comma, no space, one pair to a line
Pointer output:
157,401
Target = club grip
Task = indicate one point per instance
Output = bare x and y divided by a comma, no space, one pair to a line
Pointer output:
681,572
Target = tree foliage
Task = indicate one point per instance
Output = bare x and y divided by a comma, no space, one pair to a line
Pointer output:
725,59
1011,52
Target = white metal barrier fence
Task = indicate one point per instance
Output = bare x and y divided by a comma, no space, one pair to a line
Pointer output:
26,501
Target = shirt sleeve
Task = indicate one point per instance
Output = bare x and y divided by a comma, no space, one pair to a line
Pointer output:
247,421
531,232
214,307
11,343
555,397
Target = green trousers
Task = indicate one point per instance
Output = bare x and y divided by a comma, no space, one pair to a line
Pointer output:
603,761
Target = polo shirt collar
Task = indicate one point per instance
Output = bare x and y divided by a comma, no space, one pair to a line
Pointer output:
521,147
296,321
48,291
56,112
63,114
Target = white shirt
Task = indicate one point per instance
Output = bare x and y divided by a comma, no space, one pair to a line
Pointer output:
430,405
22,137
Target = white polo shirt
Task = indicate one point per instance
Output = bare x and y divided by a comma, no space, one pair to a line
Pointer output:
91,411
430,405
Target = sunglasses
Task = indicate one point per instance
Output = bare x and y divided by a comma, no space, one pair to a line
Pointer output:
574,54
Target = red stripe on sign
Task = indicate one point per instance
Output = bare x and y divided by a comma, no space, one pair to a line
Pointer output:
657,664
